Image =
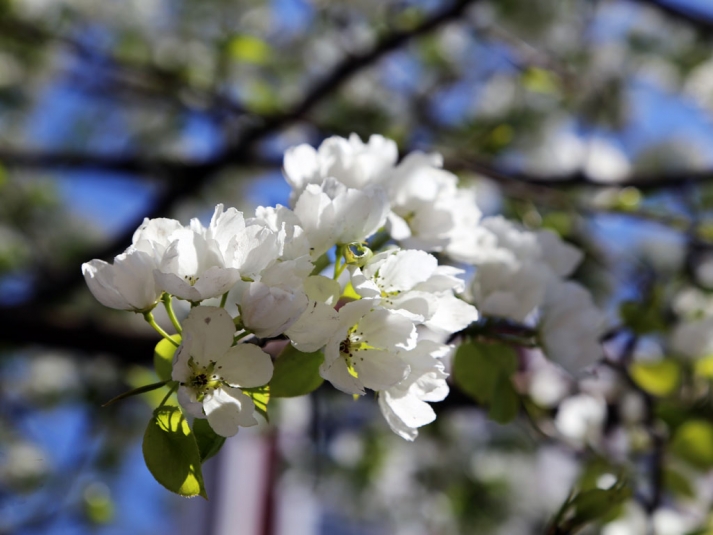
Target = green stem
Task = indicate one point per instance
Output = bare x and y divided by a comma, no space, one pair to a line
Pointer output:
223,300
242,335
338,262
167,303
150,319
174,387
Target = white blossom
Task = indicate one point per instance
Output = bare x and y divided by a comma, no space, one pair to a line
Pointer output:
693,339
365,350
211,371
331,214
571,326
404,405
128,283
412,283
580,419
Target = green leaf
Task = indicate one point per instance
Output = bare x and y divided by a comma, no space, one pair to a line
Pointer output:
597,503
171,453
478,367
249,49
163,357
540,81
659,378
261,397
505,403
296,373
209,442
135,392
693,442
678,483
704,367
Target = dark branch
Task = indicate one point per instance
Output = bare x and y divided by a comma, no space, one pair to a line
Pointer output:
25,329
648,182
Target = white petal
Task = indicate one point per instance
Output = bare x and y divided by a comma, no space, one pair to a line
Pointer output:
175,285
338,374
379,370
211,331
395,423
180,371
406,269
187,400
409,409
158,231
226,409
245,365
451,315
387,330
562,257
215,281
314,327
99,278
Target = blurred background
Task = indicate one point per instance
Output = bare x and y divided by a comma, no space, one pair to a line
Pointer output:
588,117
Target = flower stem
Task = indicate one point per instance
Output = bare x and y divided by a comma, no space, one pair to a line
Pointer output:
174,387
167,299
338,262
151,321
223,300
242,335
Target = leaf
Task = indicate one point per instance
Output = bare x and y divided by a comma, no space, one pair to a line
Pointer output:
505,402
135,392
678,483
296,373
261,397
540,81
659,378
209,442
477,368
249,49
693,442
171,453
163,357
597,503
704,367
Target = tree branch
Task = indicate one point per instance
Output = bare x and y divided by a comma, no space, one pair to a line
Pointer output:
702,22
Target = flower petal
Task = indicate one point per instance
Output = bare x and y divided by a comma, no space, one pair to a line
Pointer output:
379,370
226,409
245,365
208,333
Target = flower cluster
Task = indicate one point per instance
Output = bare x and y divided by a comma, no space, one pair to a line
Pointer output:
381,316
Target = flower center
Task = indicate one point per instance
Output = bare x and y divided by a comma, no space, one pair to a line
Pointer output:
203,379
191,279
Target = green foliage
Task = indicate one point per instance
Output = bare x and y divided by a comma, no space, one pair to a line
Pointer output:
588,506
296,373
483,372
209,442
643,318
693,442
163,357
261,398
171,453
249,49
678,483
660,378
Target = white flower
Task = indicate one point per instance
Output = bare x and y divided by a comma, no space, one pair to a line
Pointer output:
199,262
292,242
411,283
571,326
128,283
211,371
333,214
350,161
364,351
268,311
404,404
320,320
693,339
580,419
